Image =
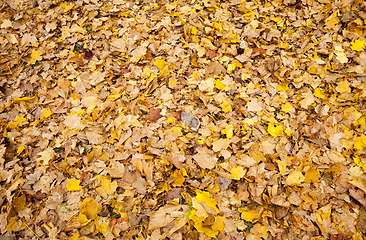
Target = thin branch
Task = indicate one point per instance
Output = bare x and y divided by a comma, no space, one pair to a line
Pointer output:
31,229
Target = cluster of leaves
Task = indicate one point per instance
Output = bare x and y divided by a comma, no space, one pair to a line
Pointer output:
183,119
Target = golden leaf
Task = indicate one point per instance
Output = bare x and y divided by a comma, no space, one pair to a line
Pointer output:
160,63
45,113
237,173
275,131
107,187
73,185
90,208
357,45
295,178
249,215
35,56
205,197
286,107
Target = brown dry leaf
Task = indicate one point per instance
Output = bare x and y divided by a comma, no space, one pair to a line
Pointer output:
2,152
116,169
361,221
223,183
91,100
162,217
154,114
308,99
215,68
205,159
46,156
74,122
254,105
220,144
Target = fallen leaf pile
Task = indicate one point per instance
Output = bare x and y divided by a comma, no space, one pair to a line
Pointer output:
180,119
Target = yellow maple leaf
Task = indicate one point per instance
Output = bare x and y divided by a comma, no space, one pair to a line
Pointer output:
359,162
357,45
194,30
170,120
90,208
82,219
75,236
66,7
205,197
20,149
45,113
237,173
101,225
232,66
282,166
226,106
288,131
107,187
282,88
295,178
219,85
249,215
12,125
312,175
319,93
198,222
343,87
18,121
228,130
172,83
35,56
218,27
160,63
73,185
178,177
208,231
199,219
332,21
275,131
286,107
341,56
360,142
219,225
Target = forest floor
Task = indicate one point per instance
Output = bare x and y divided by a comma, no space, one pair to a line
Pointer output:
196,119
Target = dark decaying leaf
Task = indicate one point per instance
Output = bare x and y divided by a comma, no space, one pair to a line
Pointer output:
154,114
88,54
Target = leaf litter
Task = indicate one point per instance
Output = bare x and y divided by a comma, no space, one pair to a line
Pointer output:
182,119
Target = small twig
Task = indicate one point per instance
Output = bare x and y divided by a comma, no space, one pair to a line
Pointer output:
76,212
31,229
